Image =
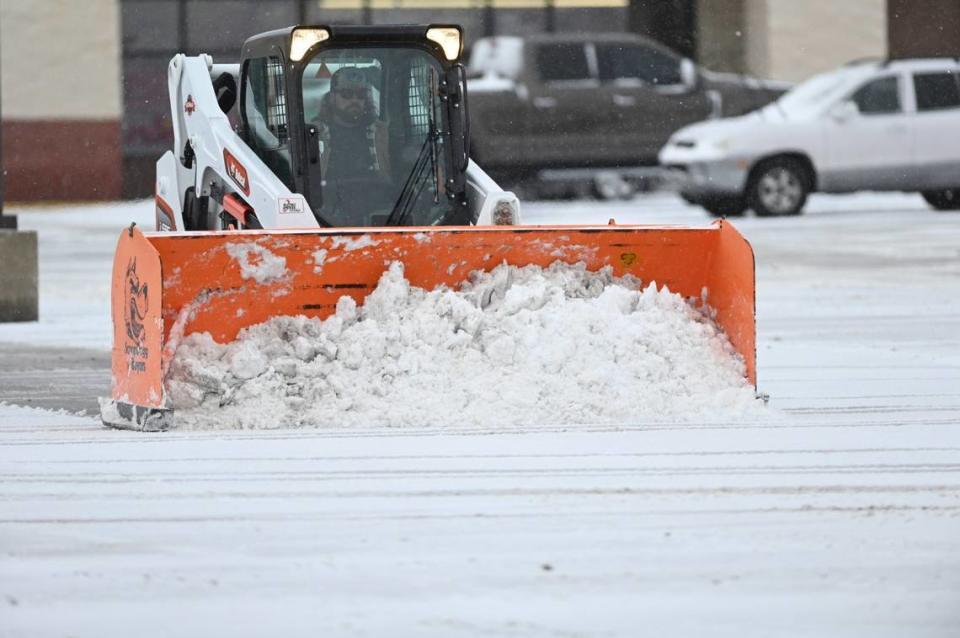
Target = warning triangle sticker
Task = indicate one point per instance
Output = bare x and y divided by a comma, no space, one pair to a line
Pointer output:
324,72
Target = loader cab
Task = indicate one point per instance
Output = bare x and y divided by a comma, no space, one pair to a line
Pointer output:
368,123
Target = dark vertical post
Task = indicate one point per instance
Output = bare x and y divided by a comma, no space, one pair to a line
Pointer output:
550,16
367,17
301,11
489,19
182,25
1,141
19,291
672,22
6,221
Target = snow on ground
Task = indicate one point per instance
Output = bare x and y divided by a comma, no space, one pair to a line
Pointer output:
841,520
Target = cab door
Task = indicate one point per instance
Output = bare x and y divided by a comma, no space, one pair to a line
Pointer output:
937,121
870,140
565,118
646,97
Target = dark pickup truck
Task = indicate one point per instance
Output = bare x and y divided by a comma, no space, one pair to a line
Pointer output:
580,101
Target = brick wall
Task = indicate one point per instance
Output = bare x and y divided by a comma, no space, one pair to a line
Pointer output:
792,40
61,99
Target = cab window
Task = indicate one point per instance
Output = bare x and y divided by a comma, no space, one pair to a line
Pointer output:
562,62
633,62
383,149
265,115
878,97
937,91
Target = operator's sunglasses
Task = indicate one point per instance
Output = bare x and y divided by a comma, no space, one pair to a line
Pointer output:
353,94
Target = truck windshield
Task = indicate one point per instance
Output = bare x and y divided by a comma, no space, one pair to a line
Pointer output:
382,134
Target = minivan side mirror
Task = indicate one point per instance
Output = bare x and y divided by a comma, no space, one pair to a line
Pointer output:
844,111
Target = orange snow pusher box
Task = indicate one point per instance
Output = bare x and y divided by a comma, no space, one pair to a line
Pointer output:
168,285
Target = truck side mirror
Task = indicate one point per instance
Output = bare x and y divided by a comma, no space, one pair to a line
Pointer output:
688,74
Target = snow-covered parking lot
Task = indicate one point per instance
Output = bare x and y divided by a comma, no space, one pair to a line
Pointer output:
836,515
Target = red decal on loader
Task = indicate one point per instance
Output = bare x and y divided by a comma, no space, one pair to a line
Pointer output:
164,215
189,106
236,171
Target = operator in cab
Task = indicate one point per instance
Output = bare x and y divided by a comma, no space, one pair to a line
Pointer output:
354,139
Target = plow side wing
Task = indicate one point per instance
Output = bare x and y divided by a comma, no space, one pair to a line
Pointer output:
138,334
223,282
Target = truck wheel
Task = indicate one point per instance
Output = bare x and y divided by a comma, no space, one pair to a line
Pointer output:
724,206
778,187
946,199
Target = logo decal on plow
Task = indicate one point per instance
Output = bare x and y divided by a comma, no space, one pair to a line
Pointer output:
236,171
189,106
137,306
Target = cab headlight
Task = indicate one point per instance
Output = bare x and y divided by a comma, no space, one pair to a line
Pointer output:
450,40
303,39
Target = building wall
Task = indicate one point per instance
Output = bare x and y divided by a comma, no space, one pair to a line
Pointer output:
61,99
791,40
924,28
720,35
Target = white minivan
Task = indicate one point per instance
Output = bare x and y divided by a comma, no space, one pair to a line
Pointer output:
884,126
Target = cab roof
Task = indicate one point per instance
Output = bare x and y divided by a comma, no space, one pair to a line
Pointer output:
262,43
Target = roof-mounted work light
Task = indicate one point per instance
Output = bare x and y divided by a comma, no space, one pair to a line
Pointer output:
450,40
303,39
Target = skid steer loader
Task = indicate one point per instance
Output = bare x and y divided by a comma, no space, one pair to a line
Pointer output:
300,173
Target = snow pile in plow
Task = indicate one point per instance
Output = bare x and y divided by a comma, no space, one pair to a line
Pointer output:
513,346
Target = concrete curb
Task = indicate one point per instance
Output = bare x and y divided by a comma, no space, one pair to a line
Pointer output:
19,297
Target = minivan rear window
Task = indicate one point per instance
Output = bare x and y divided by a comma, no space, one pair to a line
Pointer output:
937,91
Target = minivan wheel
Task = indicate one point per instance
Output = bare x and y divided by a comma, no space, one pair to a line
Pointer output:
724,205
946,199
778,187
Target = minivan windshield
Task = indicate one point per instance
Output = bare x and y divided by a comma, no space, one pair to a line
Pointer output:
381,129
817,91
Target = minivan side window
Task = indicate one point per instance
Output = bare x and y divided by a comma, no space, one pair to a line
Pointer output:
631,61
562,62
878,96
265,115
937,91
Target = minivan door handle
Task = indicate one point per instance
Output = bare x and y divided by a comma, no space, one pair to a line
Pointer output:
545,102
624,100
